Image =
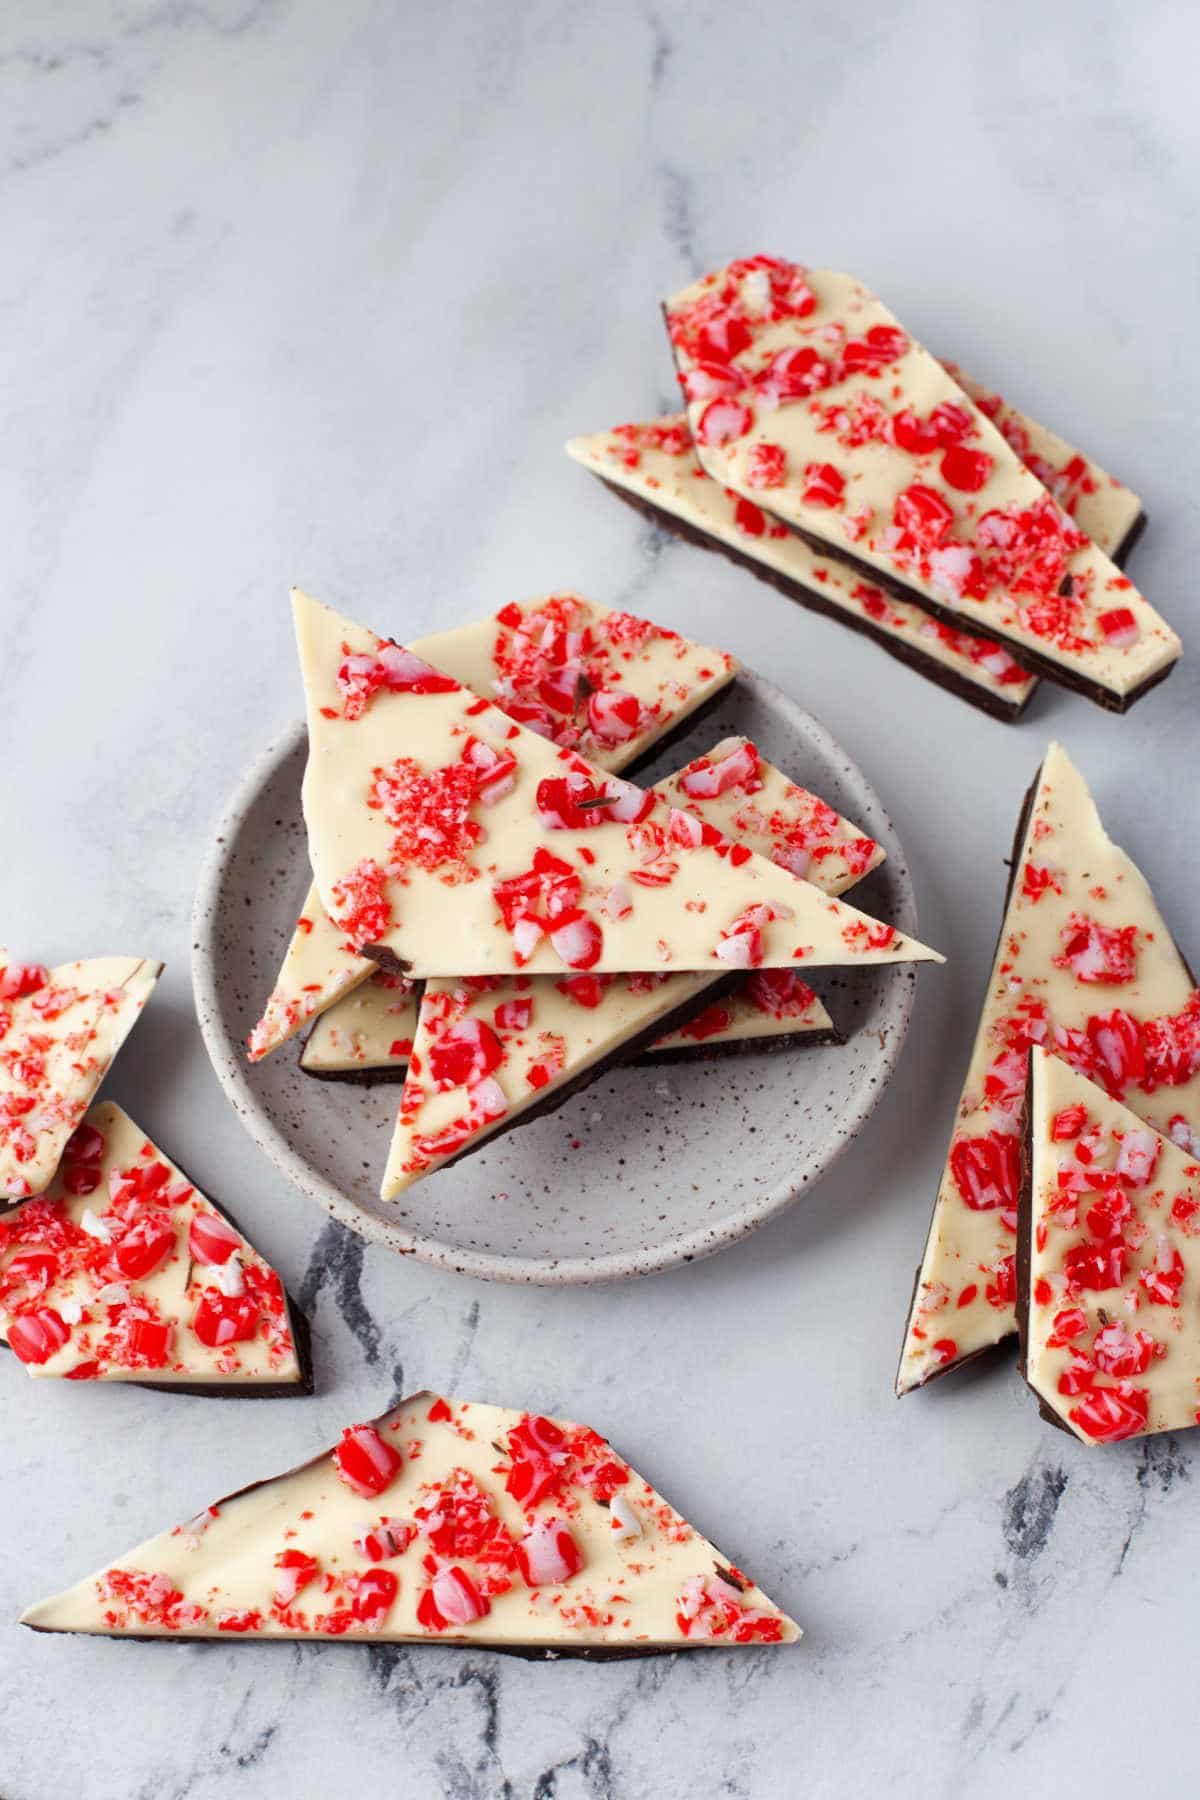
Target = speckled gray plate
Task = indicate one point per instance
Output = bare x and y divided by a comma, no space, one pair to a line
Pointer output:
650,1165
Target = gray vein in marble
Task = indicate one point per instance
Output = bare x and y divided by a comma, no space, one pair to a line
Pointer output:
336,1264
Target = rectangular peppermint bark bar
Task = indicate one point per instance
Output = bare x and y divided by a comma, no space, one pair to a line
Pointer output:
445,837
1108,1264
59,1032
441,1522
1086,967
491,1054
585,676
124,1271
807,397
654,466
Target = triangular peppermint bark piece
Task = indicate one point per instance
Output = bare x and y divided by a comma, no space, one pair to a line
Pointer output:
59,1032
585,676
807,396
445,839
490,1054
752,802
1109,1264
444,1521
747,798
368,1035
123,1271
1086,967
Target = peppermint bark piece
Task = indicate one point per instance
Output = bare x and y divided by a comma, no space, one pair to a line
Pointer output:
807,396
751,801
59,1032
123,1271
653,465
583,675
445,1522
1086,967
490,1054
368,1035
1108,1264
446,839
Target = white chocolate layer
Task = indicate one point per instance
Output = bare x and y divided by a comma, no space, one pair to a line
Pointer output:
1111,1341
123,1271
59,1032
411,860
515,657
806,396
477,1525
1085,966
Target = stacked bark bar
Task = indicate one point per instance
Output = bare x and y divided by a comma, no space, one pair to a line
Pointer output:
113,1266
826,450
451,843
1070,1196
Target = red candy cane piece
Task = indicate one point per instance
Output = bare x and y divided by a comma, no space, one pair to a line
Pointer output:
36,1336
212,1239
548,1554
364,1461
722,421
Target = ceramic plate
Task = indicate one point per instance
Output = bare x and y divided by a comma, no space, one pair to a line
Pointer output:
651,1165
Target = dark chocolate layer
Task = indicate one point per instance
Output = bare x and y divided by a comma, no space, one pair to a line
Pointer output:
705,1050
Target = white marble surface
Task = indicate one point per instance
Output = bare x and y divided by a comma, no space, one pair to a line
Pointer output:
300,291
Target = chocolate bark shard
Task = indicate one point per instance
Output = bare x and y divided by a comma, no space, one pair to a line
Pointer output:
1109,1263
1085,965
488,1053
60,1030
124,1271
586,677
507,1531
446,839
653,466
806,396
368,1034
632,684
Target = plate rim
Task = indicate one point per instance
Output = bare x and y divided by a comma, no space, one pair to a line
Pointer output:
233,1071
